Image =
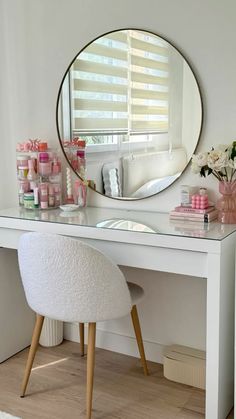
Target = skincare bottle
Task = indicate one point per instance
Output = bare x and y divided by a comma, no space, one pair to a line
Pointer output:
186,193
80,201
31,176
21,195
22,160
51,196
81,158
57,190
55,176
44,164
43,195
36,197
56,166
22,172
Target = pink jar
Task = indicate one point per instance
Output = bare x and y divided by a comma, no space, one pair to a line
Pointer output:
45,165
22,160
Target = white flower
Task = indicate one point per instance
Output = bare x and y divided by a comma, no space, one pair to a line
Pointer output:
195,168
217,159
222,147
232,163
200,159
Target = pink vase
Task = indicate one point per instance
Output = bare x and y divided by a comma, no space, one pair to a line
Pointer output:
226,205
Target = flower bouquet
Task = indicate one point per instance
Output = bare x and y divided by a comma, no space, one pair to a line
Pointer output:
221,163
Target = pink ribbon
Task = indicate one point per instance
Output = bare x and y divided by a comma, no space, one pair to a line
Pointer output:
29,145
72,143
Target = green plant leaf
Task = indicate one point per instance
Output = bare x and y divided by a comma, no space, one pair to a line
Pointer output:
233,152
202,172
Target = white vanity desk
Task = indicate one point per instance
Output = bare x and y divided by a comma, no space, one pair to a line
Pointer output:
203,251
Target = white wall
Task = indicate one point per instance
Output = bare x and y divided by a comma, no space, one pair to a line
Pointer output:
191,110
38,39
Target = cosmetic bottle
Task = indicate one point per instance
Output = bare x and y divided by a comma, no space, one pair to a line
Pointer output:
51,196
22,172
21,195
24,184
31,176
55,176
80,193
43,195
36,197
80,200
22,160
81,158
56,166
186,193
45,168
57,190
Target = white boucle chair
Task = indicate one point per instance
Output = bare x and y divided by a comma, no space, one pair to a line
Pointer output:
68,280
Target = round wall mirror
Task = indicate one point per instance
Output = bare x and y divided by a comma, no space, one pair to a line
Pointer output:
129,114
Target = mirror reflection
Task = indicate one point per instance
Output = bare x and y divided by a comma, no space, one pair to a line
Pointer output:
129,114
122,224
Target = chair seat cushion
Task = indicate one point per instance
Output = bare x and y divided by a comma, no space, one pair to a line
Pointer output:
136,292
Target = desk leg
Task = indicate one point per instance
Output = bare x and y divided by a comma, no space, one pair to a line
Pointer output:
220,331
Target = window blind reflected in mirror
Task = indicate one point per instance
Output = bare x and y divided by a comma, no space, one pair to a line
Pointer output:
119,84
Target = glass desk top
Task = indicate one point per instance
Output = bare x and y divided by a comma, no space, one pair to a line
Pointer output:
126,220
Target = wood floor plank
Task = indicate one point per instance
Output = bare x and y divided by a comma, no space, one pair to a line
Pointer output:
57,389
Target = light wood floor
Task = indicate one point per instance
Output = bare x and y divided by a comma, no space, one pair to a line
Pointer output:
121,391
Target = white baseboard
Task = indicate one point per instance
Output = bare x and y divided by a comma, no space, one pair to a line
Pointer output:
115,342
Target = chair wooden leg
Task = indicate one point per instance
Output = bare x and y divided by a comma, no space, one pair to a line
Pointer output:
90,366
33,348
138,334
81,334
